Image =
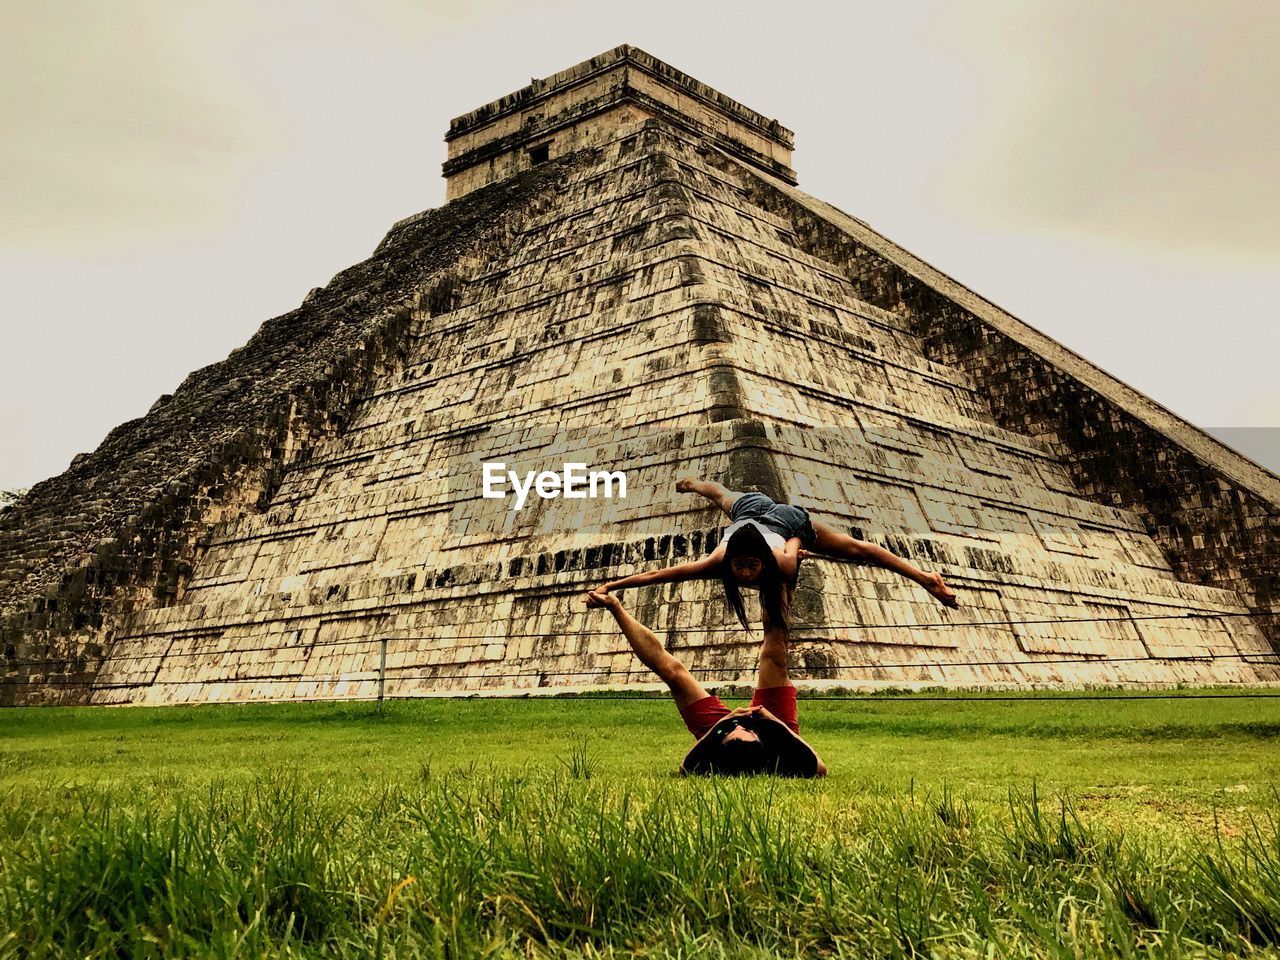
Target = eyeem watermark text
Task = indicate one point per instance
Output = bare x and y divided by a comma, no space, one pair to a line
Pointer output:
572,482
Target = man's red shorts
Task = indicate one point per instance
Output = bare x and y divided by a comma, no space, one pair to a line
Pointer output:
701,715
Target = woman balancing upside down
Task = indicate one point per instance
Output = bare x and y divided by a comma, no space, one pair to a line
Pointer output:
762,549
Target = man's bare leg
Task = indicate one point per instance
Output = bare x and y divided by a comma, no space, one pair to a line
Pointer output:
649,649
833,544
717,493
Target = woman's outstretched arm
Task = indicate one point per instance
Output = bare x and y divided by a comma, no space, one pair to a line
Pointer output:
693,570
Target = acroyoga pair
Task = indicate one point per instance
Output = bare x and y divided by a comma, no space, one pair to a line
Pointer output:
761,549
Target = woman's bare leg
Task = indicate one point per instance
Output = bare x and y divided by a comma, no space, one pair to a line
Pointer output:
717,493
840,546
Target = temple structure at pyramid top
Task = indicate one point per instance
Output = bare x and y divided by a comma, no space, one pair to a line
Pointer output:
626,275
586,105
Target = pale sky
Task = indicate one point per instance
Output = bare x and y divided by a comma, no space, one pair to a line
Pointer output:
175,172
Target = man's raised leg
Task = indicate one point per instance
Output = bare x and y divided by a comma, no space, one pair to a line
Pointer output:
684,688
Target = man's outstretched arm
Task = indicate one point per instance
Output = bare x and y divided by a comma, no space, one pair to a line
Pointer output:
773,651
773,673
684,688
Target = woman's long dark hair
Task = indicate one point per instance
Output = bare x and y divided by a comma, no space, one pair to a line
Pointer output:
748,541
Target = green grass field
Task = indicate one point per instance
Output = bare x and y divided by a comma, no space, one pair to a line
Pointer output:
976,828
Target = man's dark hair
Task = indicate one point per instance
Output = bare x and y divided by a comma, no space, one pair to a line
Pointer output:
776,752
748,541
742,757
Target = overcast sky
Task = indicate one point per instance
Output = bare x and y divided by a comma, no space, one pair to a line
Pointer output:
174,173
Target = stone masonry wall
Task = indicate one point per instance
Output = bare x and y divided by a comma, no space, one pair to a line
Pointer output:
652,318
1213,529
653,306
122,528
876,437
584,341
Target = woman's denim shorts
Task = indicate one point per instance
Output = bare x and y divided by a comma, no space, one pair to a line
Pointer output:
786,519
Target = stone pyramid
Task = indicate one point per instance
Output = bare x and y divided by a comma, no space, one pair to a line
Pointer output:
625,276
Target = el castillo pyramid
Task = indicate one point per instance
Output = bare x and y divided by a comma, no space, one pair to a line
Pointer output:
625,275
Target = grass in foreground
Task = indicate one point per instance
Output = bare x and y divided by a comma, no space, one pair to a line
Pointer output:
556,828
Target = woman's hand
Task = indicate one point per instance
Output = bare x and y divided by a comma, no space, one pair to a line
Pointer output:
756,710
802,554
595,598
762,712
